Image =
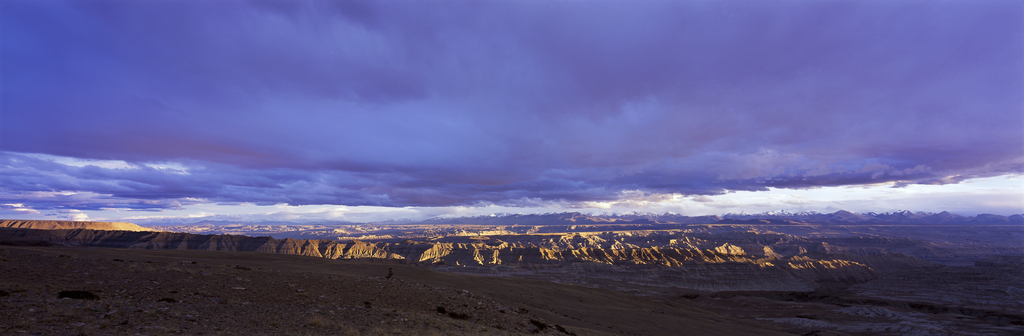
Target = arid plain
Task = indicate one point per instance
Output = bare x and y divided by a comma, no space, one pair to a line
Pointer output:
577,274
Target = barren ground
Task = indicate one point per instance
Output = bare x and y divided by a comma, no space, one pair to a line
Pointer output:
156,292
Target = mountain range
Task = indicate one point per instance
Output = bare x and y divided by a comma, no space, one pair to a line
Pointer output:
838,217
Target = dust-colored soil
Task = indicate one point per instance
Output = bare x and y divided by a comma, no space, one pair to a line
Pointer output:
155,292
144,297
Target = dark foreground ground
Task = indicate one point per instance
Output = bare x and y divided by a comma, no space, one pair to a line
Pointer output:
159,292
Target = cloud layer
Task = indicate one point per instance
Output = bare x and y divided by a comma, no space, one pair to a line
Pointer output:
422,103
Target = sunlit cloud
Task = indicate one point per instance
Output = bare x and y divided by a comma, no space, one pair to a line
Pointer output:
1000,195
17,208
80,162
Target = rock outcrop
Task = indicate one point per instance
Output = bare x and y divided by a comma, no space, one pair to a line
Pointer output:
57,225
689,263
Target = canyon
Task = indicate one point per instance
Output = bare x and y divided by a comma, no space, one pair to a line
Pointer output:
895,274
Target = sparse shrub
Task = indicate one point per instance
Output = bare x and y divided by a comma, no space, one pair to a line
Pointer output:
540,325
242,268
78,295
168,300
318,321
562,330
458,316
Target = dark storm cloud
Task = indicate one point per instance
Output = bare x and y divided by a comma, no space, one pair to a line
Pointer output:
454,103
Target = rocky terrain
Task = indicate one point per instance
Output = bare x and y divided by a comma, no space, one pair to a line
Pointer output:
943,237
61,225
669,258
145,297
854,278
58,290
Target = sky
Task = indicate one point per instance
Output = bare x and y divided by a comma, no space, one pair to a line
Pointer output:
170,111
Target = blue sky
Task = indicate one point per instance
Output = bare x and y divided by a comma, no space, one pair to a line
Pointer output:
350,110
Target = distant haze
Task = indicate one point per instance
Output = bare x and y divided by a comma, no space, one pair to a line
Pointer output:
374,110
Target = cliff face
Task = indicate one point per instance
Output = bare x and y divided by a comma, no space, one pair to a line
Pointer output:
58,225
723,267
